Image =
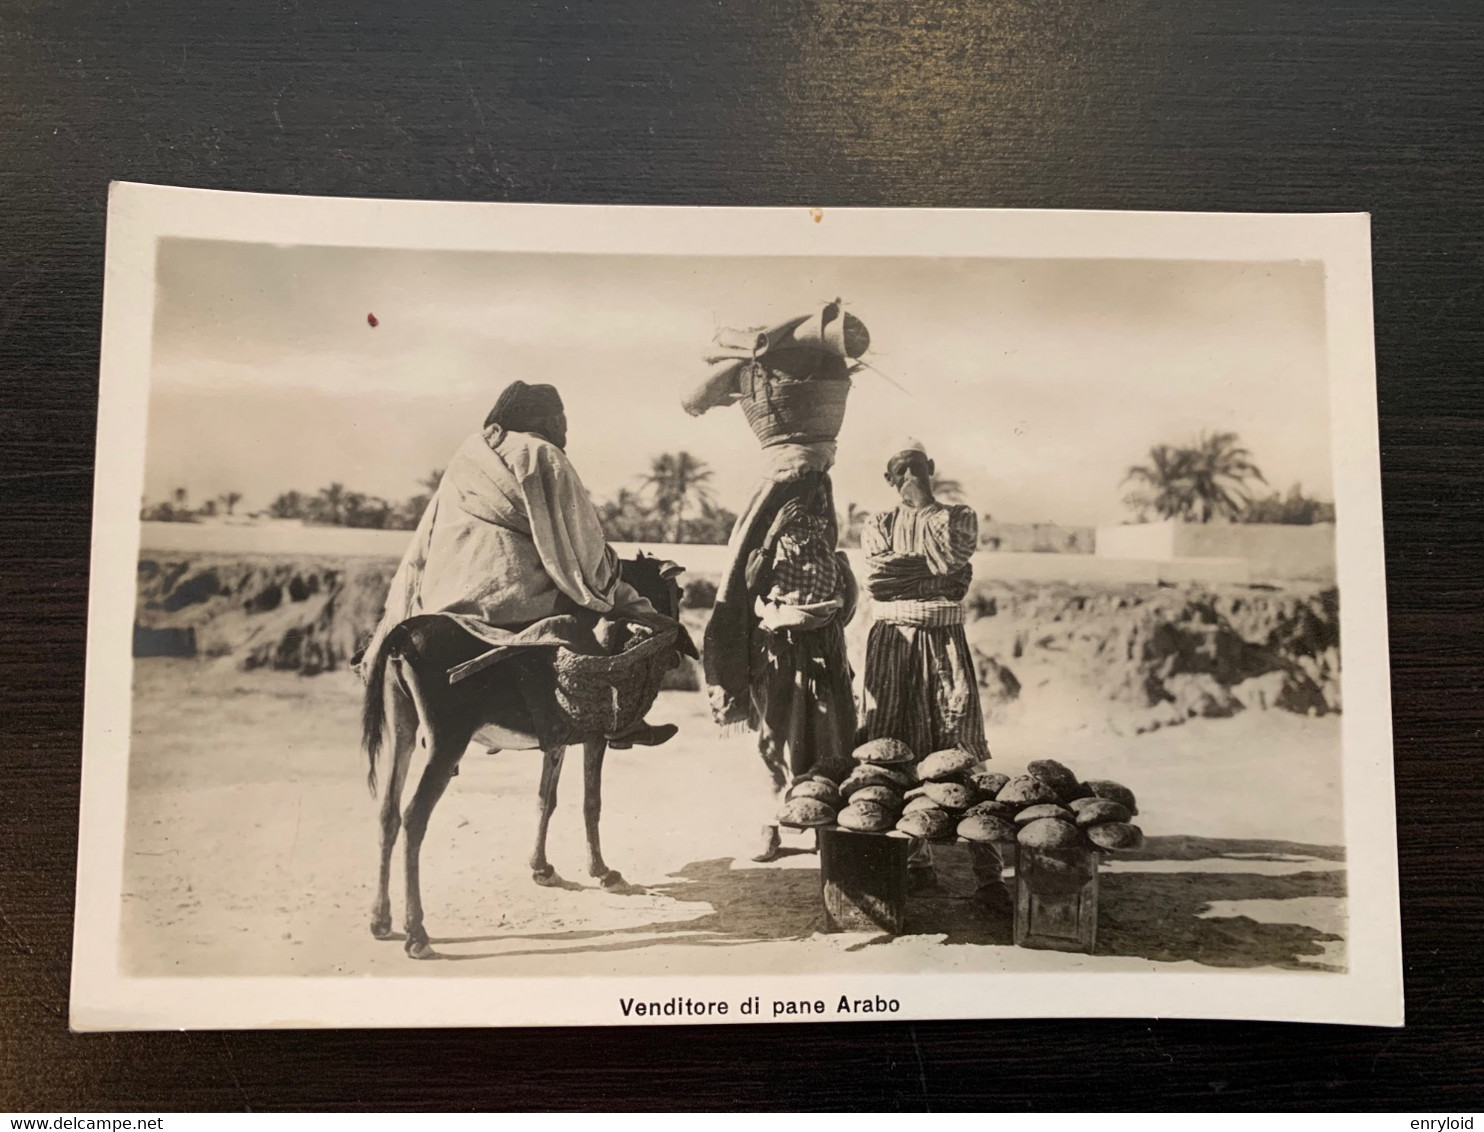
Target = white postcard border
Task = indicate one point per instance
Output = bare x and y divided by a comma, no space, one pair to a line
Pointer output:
103,998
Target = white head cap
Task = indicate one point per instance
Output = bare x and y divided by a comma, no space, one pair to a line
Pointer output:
905,444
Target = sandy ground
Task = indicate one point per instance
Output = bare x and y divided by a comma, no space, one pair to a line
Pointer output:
251,849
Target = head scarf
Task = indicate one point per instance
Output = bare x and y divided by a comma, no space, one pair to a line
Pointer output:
520,407
904,445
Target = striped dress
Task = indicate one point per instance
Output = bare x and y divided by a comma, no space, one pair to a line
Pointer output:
920,684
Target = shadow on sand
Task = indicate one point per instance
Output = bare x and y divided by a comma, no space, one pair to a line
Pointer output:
1149,914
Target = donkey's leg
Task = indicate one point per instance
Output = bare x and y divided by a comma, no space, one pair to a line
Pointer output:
402,731
443,763
593,751
551,771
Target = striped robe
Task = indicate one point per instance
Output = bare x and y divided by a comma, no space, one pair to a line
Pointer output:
920,685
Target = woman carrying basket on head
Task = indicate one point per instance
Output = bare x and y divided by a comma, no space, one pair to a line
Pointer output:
775,653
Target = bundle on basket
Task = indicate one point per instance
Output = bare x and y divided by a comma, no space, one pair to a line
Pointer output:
792,379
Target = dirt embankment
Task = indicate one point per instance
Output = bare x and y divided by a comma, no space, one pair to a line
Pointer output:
1144,656
1154,656
307,615
301,614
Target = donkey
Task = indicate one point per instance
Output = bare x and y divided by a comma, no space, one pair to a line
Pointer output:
408,689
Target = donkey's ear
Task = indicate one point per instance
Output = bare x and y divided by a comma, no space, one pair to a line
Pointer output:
670,569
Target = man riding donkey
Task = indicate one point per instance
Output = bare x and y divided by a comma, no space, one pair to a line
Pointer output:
775,654
511,549
511,621
920,685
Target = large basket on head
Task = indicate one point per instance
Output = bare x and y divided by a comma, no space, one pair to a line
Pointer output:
783,409
604,694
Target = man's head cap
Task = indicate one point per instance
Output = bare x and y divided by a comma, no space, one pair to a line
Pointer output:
522,406
904,445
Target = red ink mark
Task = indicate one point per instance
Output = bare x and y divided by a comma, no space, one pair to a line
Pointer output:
371,320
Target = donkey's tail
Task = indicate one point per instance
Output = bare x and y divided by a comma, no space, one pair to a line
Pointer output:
373,711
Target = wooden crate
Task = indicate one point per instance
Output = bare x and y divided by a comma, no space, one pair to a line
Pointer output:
1056,899
864,879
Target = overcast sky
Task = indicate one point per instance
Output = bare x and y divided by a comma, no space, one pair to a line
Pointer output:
1035,383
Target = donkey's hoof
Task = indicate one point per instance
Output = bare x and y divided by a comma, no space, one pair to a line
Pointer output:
546,878
613,879
420,949
381,929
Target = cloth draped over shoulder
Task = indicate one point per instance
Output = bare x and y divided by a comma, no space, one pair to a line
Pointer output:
797,465
734,619
511,548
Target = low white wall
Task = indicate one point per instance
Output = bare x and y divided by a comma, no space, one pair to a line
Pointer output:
1275,551
270,538
697,558
1136,540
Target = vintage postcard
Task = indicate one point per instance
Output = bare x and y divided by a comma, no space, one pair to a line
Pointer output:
936,614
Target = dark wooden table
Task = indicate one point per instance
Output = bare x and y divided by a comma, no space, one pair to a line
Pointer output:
1157,104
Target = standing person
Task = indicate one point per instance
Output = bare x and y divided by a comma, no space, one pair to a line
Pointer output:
920,685
774,656
802,703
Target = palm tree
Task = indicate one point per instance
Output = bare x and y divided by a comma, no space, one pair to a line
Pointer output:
678,480
1206,481
946,490
230,499
289,505
1165,490
331,503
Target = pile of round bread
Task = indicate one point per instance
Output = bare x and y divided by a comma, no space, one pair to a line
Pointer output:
950,794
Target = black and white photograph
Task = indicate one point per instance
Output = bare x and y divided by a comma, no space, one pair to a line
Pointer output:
517,615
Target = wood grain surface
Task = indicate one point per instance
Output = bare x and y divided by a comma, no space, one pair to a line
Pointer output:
1259,105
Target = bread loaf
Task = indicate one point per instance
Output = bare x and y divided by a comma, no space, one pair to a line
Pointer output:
948,795
805,813
984,827
869,774
1114,792
1050,833
929,824
884,752
1043,810
1101,811
1070,794
1116,835
865,817
884,796
988,782
943,765
1026,791
826,792
1052,773
992,809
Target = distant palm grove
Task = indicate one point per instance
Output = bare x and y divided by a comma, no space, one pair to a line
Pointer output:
673,500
